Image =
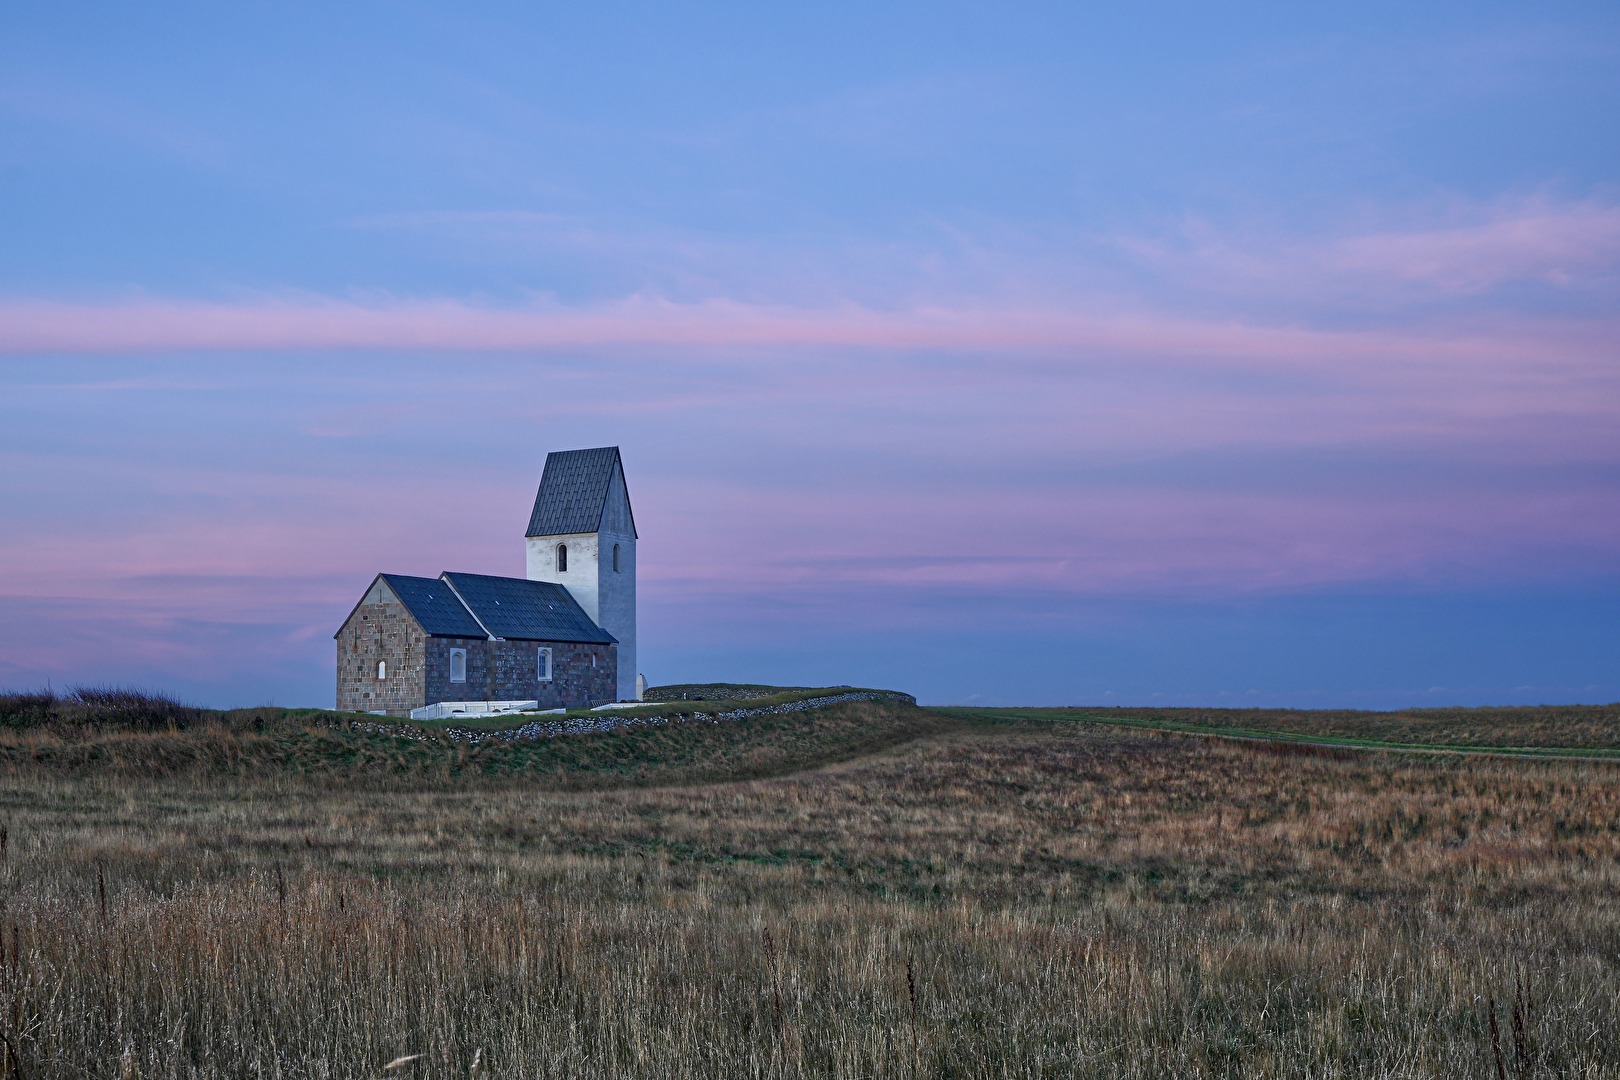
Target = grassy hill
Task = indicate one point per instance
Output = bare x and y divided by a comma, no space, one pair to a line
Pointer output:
131,733
867,889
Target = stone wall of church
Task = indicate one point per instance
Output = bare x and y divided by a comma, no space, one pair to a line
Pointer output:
582,676
418,667
436,683
380,632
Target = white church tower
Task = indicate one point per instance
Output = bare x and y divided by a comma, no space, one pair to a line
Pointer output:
582,536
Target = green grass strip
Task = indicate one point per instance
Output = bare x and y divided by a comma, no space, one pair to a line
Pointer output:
1276,735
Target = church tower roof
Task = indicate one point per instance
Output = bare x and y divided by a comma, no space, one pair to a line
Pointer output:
574,491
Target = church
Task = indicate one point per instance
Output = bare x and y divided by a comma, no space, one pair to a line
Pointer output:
563,636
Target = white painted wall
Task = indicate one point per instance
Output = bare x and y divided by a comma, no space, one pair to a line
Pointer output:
616,598
609,598
581,577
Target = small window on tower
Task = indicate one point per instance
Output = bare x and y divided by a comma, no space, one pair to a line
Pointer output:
542,666
562,558
382,669
458,665
615,558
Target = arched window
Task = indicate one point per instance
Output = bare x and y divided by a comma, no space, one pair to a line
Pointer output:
382,669
615,558
542,667
562,558
458,665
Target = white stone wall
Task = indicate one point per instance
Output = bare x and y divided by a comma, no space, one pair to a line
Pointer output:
608,598
616,591
581,578
616,599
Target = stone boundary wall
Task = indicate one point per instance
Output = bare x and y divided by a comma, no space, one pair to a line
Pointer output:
591,725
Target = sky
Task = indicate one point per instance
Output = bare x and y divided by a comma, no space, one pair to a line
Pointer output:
1014,353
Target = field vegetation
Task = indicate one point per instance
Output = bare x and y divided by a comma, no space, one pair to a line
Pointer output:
680,704
868,889
167,738
1562,729
718,691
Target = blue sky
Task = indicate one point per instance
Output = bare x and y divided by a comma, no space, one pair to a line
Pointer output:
1262,354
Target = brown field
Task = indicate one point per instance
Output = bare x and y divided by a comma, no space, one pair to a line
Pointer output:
895,895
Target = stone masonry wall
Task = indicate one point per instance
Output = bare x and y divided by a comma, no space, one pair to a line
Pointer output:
437,685
581,675
380,630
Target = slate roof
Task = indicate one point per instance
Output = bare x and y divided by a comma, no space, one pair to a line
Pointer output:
573,490
527,610
434,606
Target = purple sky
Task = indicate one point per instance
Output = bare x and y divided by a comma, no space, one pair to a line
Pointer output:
1014,358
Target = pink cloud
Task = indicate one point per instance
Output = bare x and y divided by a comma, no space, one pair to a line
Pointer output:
945,386
41,326
740,543
1123,540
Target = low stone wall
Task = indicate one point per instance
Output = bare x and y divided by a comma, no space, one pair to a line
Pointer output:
591,725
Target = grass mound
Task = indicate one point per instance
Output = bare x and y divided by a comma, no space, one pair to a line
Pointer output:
96,707
677,708
267,742
718,691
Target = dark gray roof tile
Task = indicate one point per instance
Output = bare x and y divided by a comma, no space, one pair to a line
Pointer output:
526,610
573,490
432,603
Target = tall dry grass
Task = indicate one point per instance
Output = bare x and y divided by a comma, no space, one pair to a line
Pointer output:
1016,902
84,708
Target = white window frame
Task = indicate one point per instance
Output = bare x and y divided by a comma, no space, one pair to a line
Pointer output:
382,670
458,654
542,664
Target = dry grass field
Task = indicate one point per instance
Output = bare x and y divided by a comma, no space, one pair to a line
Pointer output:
895,894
